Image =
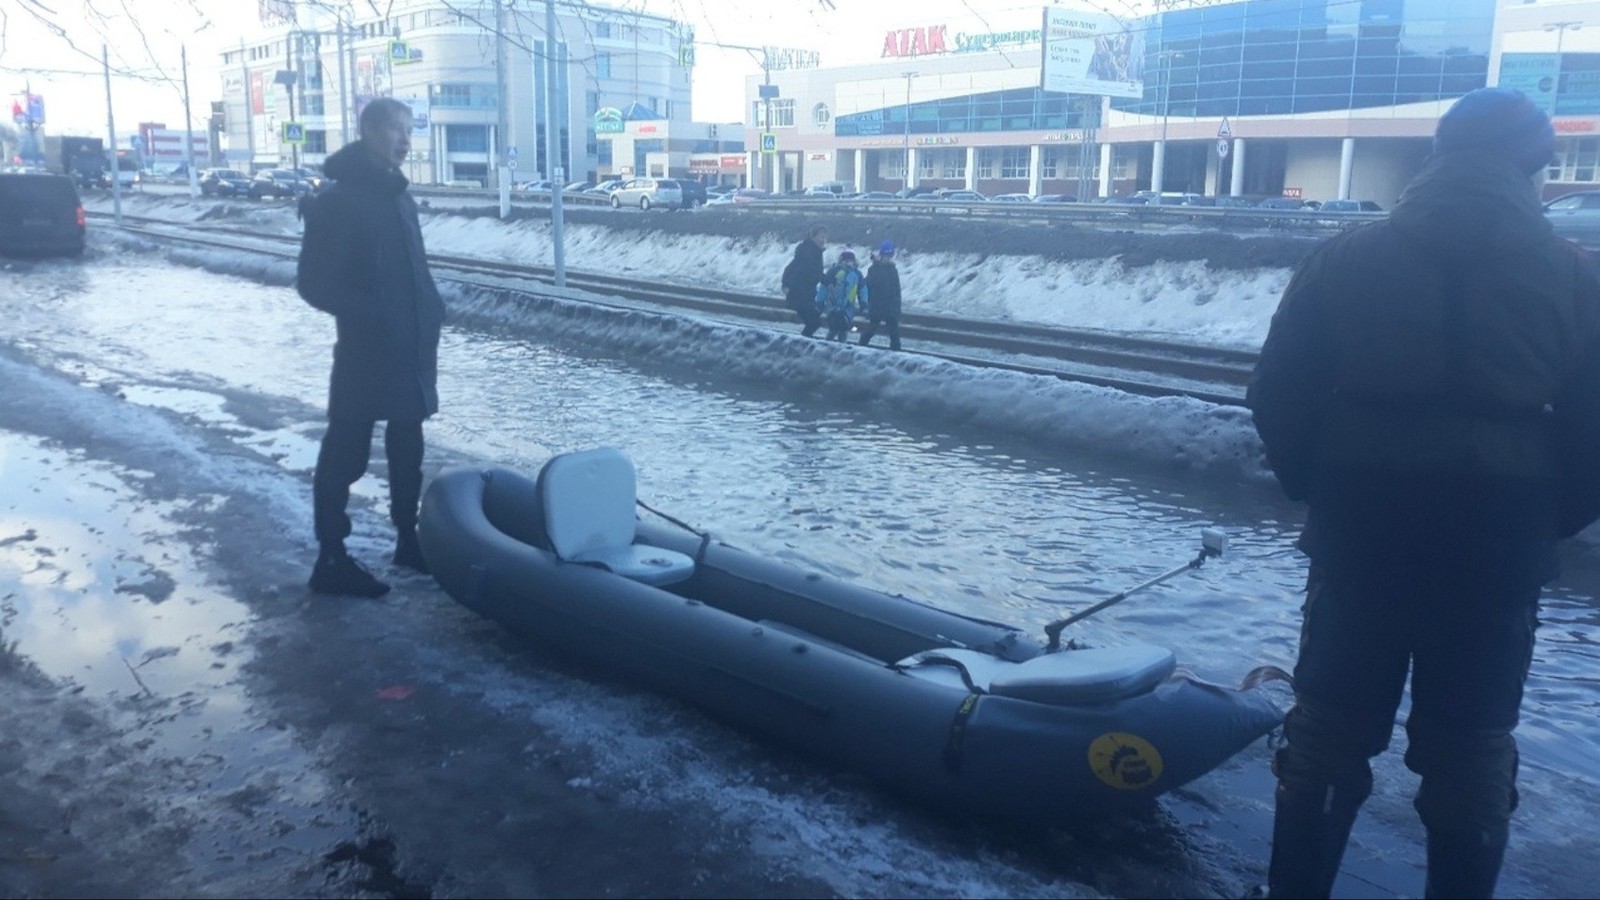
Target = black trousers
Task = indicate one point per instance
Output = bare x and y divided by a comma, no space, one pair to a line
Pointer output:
891,325
805,306
1466,643
342,460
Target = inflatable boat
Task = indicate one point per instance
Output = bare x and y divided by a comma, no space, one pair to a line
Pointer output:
951,710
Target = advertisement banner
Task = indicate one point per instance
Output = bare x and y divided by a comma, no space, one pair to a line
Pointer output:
258,93
1090,53
1534,74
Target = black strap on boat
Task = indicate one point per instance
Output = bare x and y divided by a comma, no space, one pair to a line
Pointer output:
705,536
954,744
933,659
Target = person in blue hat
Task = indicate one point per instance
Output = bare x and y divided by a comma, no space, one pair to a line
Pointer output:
1430,387
883,287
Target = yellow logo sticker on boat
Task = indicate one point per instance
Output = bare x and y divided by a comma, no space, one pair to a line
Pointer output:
1125,761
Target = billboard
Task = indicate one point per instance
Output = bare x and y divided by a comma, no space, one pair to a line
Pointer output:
1091,53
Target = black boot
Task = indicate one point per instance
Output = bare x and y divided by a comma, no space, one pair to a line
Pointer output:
338,574
408,552
1464,863
1311,826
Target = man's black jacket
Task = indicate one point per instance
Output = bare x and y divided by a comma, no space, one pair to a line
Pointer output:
362,260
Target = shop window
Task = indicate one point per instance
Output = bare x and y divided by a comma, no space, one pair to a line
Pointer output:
988,163
1014,162
821,115
955,163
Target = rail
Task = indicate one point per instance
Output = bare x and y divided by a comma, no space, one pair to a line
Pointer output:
1216,375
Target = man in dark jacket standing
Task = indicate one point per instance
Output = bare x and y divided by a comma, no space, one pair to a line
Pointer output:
1430,387
362,260
801,277
883,297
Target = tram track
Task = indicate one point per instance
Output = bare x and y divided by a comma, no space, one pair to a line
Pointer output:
1145,366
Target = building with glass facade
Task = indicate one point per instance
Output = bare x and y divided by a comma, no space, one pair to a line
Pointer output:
1309,98
440,58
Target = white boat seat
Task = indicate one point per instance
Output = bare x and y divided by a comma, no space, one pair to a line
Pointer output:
1065,678
587,498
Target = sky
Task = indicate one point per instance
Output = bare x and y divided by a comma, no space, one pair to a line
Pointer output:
55,47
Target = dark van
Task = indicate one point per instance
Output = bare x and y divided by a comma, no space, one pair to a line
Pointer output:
40,215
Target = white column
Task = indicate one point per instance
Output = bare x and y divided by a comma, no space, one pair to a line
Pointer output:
749,169
861,170
912,162
972,168
1035,173
1347,164
1236,180
1158,166
1105,170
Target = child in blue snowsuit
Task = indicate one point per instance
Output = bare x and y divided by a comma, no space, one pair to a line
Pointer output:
842,295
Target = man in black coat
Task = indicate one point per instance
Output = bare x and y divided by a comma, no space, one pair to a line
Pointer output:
801,277
1430,386
362,261
883,297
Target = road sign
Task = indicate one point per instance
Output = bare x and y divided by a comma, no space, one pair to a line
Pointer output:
1222,148
399,52
1224,130
511,163
293,133
769,142
686,56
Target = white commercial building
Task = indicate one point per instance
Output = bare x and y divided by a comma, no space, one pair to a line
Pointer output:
313,69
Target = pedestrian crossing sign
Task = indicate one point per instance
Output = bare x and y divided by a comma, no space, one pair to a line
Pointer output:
769,142
293,133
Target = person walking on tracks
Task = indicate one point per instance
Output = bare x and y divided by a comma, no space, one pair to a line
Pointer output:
1430,386
883,287
362,260
801,277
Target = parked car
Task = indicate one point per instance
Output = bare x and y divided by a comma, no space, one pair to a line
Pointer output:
278,183
957,195
1349,206
577,187
694,192
719,189
606,187
312,177
1056,198
1283,203
545,186
40,215
1576,217
912,193
748,195
1011,198
647,192
224,183
875,195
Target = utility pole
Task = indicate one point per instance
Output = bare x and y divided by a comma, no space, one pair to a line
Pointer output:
908,76
502,173
111,134
775,164
249,112
188,126
294,70
556,173
1158,164
344,99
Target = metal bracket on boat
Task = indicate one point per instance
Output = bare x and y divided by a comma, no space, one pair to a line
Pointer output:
1212,543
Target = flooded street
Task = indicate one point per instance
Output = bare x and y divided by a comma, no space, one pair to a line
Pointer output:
158,426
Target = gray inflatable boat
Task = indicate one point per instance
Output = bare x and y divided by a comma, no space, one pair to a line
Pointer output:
948,709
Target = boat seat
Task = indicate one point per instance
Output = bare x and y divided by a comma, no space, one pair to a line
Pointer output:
588,499
1064,678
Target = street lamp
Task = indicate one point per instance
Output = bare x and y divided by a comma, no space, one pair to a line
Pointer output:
908,76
